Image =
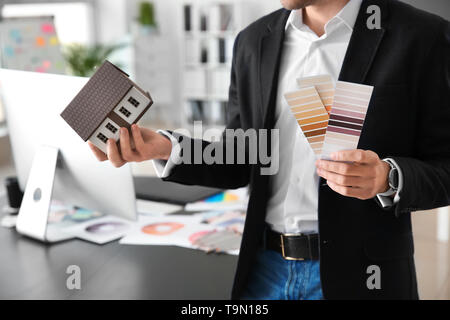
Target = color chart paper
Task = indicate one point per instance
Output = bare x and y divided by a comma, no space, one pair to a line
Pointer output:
31,44
324,86
347,117
170,230
311,115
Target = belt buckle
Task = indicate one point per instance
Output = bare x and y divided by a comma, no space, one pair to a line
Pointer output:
282,235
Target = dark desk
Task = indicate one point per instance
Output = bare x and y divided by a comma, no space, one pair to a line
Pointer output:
32,270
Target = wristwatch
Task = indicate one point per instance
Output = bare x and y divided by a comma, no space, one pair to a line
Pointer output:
393,179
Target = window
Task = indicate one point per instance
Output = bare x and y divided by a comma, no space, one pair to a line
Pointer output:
125,112
111,128
133,101
102,137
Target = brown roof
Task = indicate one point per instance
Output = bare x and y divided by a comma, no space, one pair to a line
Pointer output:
96,99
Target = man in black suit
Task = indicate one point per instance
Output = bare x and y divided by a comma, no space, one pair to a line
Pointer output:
364,242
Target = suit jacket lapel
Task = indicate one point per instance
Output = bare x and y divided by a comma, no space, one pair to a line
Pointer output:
357,62
363,44
270,47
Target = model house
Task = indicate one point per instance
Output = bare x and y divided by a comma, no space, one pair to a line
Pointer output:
108,101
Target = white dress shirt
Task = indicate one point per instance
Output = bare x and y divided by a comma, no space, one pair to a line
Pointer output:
293,204
292,207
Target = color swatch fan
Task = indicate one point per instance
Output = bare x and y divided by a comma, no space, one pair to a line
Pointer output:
347,116
324,86
311,115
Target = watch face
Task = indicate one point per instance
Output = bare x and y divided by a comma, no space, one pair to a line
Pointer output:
393,178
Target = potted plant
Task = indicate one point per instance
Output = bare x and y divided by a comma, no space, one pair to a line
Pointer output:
146,17
83,60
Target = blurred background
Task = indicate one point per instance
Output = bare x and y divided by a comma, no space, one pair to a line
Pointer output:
180,51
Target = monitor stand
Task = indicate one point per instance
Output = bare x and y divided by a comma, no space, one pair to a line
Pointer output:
34,210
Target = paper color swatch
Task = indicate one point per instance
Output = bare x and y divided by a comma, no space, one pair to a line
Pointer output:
311,115
347,116
324,86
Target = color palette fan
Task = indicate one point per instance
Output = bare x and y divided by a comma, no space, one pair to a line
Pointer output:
347,117
218,241
311,115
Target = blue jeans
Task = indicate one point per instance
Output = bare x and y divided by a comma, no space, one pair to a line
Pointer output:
274,278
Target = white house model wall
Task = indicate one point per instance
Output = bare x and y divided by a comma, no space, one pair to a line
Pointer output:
129,109
132,105
107,130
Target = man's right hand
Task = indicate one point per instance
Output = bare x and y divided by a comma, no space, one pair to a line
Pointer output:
144,144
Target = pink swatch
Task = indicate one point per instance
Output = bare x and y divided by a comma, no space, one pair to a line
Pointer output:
47,28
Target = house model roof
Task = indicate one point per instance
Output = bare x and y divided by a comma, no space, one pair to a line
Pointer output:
99,96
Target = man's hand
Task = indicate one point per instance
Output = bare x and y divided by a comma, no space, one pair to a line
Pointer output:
143,144
363,175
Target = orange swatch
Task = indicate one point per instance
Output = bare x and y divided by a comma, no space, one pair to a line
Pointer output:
311,115
40,41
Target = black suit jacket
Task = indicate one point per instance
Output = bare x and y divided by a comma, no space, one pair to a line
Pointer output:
407,61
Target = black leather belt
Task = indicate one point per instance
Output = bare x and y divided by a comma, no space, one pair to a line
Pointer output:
293,246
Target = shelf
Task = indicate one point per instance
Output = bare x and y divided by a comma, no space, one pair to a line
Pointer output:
206,98
208,83
210,34
208,66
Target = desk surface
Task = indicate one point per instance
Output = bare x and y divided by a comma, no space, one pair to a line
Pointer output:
32,270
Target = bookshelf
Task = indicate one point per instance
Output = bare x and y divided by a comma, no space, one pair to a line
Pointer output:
209,29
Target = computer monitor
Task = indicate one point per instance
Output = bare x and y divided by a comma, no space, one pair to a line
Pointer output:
33,103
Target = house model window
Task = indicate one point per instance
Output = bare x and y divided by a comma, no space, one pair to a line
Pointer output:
133,101
111,127
108,101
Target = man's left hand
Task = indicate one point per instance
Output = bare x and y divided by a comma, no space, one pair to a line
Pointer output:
355,173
